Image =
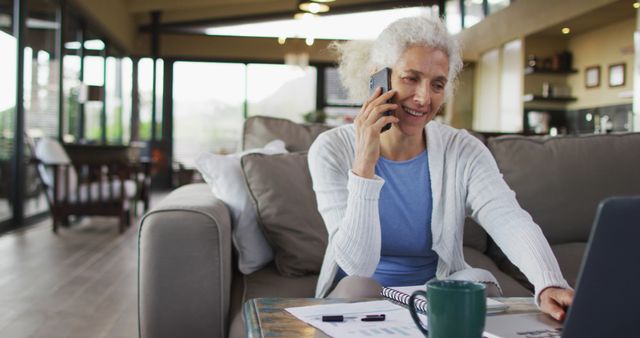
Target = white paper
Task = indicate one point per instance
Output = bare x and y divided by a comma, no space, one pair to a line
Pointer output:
398,320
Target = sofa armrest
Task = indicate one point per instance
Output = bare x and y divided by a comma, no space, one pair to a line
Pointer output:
184,266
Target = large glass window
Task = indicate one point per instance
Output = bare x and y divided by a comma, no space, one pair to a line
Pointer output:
145,90
127,92
41,74
269,89
496,5
208,105
8,67
71,89
453,19
71,78
158,98
473,12
114,100
339,107
93,81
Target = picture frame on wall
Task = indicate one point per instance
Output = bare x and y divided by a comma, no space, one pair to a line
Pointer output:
592,77
617,74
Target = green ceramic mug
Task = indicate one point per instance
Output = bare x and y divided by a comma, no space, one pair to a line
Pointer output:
454,309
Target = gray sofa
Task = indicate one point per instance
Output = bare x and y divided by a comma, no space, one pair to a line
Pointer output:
189,283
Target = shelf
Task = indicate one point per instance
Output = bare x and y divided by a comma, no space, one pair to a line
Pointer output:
532,97
529,71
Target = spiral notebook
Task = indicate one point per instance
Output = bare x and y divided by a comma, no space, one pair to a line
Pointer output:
401,295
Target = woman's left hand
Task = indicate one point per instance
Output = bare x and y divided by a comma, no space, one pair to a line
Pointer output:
554,301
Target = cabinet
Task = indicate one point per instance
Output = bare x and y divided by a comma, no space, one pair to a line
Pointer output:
551,85
546,97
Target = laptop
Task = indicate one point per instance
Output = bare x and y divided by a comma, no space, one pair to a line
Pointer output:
607,298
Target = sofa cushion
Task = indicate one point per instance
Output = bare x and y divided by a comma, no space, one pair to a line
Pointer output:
569,257
259,130
224,176
510,287
561,180
280,187
474,236
268,282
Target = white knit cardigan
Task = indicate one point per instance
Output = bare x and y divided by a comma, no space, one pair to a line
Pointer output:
465,180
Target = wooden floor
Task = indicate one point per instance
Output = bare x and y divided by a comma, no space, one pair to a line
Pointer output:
79,283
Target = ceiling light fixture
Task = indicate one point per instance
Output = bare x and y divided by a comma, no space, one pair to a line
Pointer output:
566,30
313,7
282,40
324,1
309,41
636,5
304,16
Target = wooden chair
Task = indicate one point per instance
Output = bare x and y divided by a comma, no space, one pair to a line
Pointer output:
111,188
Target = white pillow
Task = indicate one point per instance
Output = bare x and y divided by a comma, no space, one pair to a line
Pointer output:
223,173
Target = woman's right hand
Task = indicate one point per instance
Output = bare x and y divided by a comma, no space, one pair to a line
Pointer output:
368,125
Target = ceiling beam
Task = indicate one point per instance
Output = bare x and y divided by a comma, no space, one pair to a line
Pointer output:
144,6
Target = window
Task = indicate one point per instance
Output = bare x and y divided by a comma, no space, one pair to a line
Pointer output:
453,19
114,100
496,5
71,90
158,98
145,90
8,66
127,92
93,76
208,108
362,25
71,78
473,12
41,63
339,107
270,88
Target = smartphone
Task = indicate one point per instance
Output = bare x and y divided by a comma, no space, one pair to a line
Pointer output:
382,79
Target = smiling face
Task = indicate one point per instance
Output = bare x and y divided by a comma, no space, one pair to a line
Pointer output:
419,77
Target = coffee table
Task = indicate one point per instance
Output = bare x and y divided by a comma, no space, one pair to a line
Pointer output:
267,317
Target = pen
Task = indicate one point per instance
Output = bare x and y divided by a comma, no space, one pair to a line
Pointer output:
341,318
373,318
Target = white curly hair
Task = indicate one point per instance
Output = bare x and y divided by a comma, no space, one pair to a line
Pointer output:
358,59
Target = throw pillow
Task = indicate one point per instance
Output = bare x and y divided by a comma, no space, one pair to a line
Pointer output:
280,187
258,130
224,176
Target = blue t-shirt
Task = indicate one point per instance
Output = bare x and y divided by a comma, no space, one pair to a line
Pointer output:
405,206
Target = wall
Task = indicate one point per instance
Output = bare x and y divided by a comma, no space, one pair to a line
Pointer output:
511,87
498,88
487,92
460,109
522,18
605,46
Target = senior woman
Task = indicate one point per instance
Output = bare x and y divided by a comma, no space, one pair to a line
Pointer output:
394,202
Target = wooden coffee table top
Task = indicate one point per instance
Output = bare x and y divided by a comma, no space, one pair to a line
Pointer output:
267,317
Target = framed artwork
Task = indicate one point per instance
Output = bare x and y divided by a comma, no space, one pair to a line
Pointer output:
592,77
616,74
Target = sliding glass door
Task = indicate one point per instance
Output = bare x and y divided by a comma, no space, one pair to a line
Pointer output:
8,68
